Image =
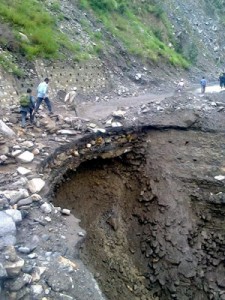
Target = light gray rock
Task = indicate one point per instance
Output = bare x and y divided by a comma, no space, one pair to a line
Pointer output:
66,132
65,297
116,124
97,129
5,130
119,113
24,202
92,125
65,211
25,157
27,144
36,289
16,152
3,157
4,150
24,250
7,225
32,255
23,171
15,214
7,230
21,182
18,283
24,37
14,268
35,185
15,196
36,197
36,151
46,208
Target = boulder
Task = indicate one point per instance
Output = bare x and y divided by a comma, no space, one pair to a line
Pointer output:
7,230
25,157
5,130
35,185
15,196
23,171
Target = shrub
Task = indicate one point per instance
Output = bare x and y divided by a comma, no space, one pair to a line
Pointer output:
105,5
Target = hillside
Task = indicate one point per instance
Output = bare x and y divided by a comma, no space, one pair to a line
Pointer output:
122,196
130,45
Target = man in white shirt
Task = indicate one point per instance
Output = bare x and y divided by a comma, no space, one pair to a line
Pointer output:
42,94
180,85
70,98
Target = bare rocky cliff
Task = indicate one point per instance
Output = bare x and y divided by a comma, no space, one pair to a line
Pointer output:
199,28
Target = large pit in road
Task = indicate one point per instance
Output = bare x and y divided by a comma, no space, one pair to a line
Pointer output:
154,217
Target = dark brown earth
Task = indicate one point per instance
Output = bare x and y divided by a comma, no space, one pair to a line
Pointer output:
154,217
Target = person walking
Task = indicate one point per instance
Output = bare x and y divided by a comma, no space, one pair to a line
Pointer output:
203,84
222,80
180,85
70,98
27,104
42,94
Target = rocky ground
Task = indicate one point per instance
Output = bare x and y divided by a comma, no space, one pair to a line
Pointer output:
39,238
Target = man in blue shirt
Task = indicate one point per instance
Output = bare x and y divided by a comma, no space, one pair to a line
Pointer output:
42,94
203,84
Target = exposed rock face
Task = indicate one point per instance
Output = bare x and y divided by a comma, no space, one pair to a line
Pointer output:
199,31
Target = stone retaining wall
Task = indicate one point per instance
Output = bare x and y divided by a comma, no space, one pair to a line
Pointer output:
90,78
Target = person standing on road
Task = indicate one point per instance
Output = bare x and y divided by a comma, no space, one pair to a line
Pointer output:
203,84
180,85
70,98
222,80
42,94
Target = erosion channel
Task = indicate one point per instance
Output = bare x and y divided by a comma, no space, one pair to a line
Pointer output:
154,216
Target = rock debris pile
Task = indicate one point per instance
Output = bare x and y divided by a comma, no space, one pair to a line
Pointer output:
180,255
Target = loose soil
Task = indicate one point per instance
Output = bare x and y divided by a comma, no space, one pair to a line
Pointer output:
154,220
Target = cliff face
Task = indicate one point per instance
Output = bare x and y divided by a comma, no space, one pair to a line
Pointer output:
199,27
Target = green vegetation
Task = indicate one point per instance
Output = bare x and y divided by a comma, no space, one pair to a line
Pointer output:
6,62
55,6
30,18
143,28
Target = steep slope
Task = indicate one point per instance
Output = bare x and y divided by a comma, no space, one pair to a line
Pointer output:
129,45
199,28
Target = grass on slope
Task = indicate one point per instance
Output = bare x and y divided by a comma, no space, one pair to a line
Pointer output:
124,19
29,17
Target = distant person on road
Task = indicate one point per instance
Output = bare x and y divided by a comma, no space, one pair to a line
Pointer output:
180,85
42,94
70,98
222,80
203,84
27,104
